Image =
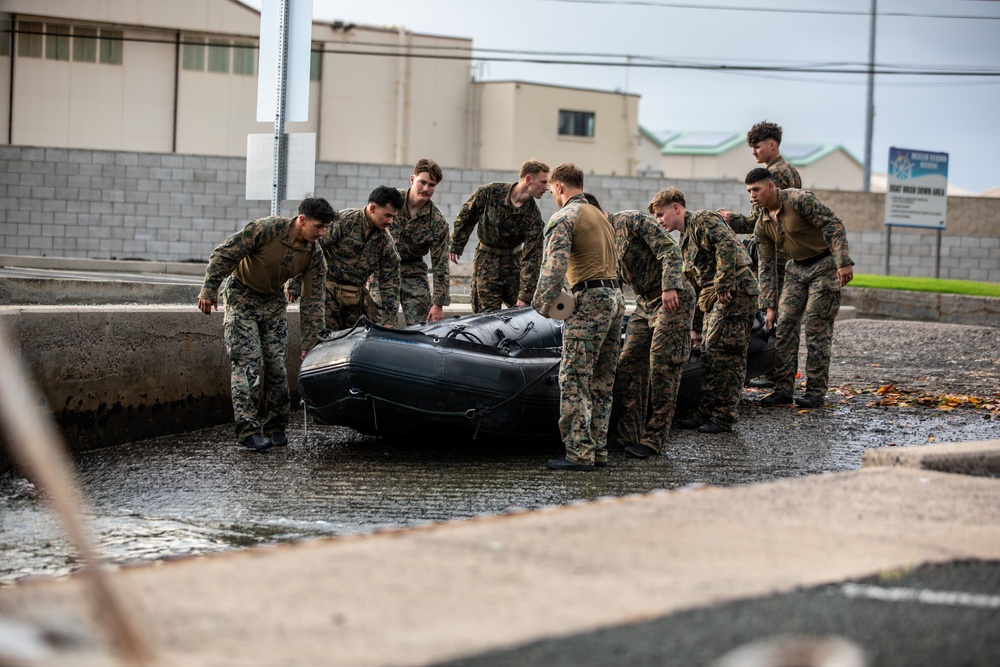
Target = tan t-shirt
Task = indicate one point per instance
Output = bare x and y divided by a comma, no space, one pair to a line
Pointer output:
592,256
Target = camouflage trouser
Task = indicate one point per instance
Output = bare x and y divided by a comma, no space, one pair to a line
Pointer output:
587,373
414,292
657,344
810,297
723,364
256,336
496,280
345,304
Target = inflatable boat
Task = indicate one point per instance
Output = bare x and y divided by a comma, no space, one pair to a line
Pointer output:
486,375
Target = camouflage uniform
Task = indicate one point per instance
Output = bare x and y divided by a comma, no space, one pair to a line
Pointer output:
502,273
657,343
255,327
816,240
785,176
426,232
720,263
590,335
354,251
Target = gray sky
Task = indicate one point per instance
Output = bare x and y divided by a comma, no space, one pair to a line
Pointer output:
954,114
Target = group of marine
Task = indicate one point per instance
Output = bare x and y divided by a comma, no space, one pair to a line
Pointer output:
701,291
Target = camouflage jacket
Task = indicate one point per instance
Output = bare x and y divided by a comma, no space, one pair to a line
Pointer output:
558,247
355,250
503,227
815,213
785,176
649,260
241,248
712,253
426,232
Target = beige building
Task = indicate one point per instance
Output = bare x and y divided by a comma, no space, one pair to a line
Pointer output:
180,77
593,129
698,155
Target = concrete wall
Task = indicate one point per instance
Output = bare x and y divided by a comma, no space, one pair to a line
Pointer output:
161,207
114,374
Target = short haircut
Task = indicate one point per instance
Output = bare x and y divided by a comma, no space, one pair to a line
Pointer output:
533,167
757,175
764,130
592,200
384,195
432,168
318,209
568,174
666,197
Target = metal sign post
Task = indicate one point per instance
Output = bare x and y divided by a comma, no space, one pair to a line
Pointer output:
282,95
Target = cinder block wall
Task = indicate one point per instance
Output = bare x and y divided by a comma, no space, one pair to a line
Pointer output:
106,204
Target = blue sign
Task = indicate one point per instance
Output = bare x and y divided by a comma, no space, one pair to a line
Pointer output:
916,193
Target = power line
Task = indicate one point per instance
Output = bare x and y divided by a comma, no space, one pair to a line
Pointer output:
779,10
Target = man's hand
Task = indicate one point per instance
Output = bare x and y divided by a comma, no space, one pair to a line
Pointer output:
453,257
724,297
522,303
769,318
695,338
726,214
670,301
292,298
436,313
206,305
845,274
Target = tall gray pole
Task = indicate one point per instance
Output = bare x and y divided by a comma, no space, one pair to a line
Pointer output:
870,108
277,183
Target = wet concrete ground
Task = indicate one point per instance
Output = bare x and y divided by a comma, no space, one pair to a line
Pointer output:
199,492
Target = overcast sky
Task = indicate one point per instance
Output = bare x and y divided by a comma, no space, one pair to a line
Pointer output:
955,114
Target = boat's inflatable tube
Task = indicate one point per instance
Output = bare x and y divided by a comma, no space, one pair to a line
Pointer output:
490,374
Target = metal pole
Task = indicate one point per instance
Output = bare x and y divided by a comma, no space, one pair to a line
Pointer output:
870,107
937,263
888,247
278,179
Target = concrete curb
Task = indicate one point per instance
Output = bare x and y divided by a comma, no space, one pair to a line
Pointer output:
965,458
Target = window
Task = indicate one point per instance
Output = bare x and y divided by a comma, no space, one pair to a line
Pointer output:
576,123
194,55
85,45
56,42
218,56
29,39
243,58
315,65
111,47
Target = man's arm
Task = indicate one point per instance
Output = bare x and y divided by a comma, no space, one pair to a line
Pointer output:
440,271
466,220
223,261
312,310
767,270
388,280
819,215
531,259
555,261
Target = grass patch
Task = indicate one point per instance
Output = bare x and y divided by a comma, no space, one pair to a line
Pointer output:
967,287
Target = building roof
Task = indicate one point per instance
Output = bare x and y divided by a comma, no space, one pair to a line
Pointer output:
716,143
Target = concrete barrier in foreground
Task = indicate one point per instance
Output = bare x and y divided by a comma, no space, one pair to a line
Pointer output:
113,374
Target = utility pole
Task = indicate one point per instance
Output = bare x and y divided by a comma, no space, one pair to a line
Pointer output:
866,186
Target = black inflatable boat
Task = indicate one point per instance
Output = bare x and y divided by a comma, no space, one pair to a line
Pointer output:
490,374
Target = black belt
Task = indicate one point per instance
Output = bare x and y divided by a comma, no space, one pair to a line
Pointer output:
411,260
593,284
809,261
236,285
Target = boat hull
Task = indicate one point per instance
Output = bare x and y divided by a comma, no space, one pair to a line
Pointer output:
485,375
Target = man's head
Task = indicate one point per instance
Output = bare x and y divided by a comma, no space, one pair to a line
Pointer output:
383,204
315,215
668,207
764,140
425,178
760,185
565,181
535,177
